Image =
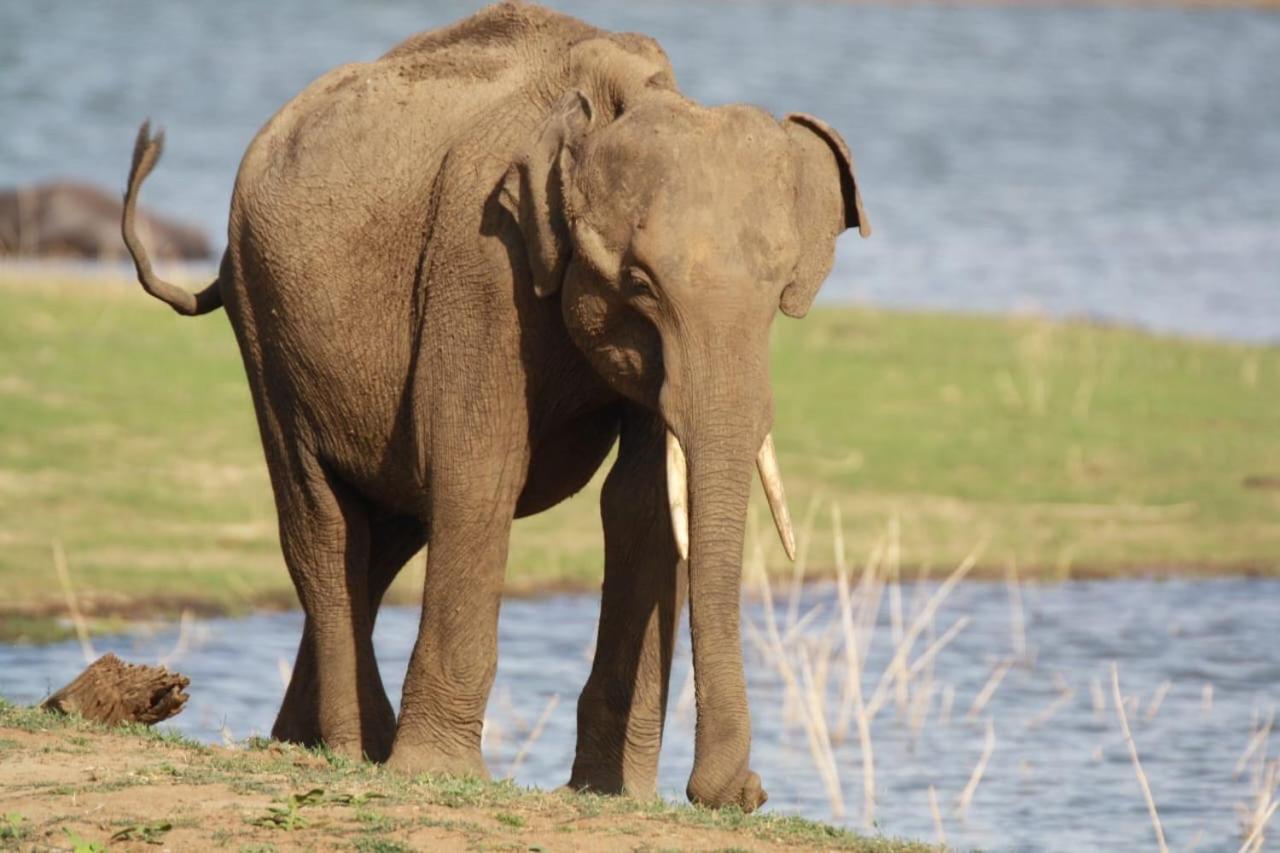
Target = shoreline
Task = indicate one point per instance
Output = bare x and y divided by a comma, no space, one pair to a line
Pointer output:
48,622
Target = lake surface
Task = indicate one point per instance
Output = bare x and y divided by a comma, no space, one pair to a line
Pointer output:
1198,664
1117,164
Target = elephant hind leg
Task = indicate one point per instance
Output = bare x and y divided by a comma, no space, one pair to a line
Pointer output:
393,540
325,537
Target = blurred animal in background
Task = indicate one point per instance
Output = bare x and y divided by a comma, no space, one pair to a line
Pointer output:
69,219
458,276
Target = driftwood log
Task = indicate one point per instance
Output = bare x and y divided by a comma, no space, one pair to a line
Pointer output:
111,691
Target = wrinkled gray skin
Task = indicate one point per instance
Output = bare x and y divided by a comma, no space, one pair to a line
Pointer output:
458,275
66,219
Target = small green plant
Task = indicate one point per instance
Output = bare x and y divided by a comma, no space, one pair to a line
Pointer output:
83,845
512,820
288,814
12,828
375,844
149,833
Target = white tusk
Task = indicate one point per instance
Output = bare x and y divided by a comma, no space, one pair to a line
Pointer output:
767,463
678,493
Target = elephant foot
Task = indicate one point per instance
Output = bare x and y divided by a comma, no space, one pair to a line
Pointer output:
373,743
745,791
416,760
640,783
290,729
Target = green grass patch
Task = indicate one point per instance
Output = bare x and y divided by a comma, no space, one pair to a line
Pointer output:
127,434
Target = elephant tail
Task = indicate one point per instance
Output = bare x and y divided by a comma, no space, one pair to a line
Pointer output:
146,152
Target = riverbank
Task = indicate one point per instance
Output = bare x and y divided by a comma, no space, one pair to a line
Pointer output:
128,445
66,783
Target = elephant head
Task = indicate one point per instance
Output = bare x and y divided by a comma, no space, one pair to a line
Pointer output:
673,234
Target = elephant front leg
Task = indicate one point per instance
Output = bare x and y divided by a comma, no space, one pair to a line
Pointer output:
623,707
454,660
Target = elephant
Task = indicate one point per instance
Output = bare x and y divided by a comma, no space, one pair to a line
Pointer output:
459,275
67,219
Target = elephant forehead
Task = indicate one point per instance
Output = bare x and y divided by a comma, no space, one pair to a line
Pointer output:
712,193
700,235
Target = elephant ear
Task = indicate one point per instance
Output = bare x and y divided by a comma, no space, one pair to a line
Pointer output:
827,202
533,190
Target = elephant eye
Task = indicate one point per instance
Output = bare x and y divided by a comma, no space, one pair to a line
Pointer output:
640,284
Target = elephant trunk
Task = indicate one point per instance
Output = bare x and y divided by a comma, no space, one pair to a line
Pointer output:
718,428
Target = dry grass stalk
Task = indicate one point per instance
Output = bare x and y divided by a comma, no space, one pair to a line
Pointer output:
918,710
534,734
1265,783
870,591
880,694
971,787
853,685
1017,617
1253,843
819,738
684,704
778,653
1258,740
510,713
73,605
801,564
857,637
1099,699
491,734
1206,698
183,644
944,705
1052,708
1157,699
989,689
821,660
1137,764
286,671
926,658
1255,820
900,682
757,639
937,816
796,630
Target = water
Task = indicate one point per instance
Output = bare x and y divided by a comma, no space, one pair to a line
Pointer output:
1119,164
1063,784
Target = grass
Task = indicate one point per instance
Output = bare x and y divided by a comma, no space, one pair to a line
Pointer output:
308,798
127,434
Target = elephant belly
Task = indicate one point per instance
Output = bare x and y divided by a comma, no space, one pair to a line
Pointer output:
564,461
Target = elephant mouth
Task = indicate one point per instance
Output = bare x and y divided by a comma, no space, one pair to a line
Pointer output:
770,478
